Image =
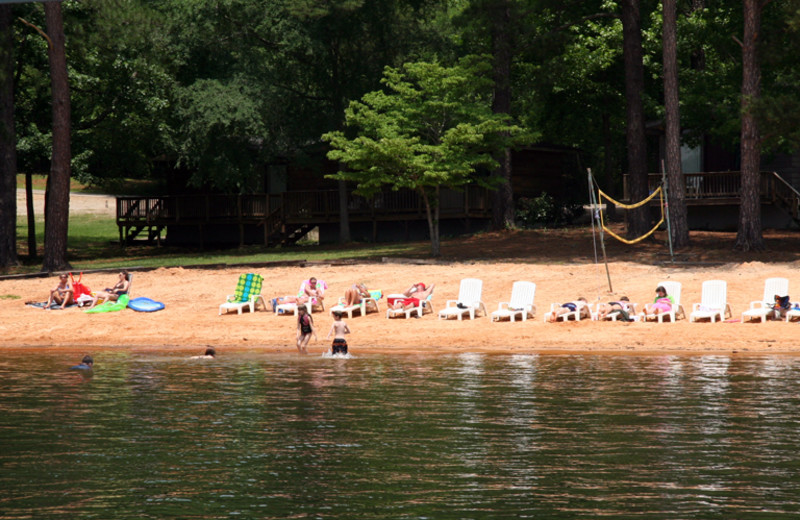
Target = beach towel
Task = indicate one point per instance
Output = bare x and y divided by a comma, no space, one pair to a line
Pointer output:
247,286
53,306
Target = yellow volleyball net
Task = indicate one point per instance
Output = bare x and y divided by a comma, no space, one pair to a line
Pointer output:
659,192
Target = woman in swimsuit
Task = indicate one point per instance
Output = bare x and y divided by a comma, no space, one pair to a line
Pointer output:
62,294
355,294
113,293
305,328
606,309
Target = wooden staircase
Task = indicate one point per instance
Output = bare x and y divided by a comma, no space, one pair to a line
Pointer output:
783,195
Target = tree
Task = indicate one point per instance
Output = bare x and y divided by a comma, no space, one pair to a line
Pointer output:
638,219
749,234
56,211
432,127
8,155
679,224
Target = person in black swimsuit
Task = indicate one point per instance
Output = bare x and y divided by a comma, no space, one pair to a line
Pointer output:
305,328
113,293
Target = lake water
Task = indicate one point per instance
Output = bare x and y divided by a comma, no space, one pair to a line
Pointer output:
451,437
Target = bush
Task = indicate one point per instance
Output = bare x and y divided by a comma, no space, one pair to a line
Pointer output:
544,211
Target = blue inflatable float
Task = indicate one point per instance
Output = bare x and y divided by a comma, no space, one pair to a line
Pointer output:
142,304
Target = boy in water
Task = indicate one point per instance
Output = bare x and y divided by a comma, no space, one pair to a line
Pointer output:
338,329
305,328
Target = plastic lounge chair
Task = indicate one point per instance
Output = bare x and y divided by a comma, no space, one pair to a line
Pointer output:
425,306
521,303
673,289
468,302
247,294
576,314
363,307
762,309
714,302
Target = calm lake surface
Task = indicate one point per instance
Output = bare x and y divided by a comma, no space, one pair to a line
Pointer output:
451,437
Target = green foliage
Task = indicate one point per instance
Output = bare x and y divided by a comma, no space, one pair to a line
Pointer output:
432,126
544,211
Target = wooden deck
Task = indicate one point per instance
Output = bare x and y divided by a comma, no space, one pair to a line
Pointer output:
284,216
723,188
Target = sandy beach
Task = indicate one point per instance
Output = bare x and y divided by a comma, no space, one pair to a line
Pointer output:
192,297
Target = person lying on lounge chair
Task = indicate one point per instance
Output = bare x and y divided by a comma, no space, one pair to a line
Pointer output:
310,289
410,297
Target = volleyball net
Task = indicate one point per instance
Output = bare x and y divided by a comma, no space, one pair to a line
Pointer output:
659,192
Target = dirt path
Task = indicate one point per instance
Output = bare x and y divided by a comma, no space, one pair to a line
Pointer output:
79,203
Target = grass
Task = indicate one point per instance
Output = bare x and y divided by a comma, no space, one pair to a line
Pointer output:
93,243
113,187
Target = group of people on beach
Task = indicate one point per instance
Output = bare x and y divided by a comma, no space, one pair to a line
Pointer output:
63,294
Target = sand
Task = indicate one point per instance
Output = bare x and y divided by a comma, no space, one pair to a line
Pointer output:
190,321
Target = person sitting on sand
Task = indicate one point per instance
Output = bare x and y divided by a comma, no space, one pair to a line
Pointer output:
580,305
62,294
411,297
113,293
621,306
661,304
310,290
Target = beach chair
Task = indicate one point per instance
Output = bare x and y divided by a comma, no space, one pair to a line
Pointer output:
576,315
468,302
762,309
425,306
363,307
247,294
714,302
520,303
673,289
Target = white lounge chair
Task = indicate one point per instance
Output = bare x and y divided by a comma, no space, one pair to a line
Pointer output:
468,302
761,309
247,294
673,289
425,306
363,307
714,302
521,303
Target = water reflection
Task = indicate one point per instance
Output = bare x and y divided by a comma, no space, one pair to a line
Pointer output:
467,436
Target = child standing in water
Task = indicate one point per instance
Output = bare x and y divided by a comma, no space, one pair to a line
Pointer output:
338,329
305,328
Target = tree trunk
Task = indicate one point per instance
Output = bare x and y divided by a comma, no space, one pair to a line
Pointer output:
503,203
31,216
8,154
56,212
679,223
749,236
432,212
608,167
638,219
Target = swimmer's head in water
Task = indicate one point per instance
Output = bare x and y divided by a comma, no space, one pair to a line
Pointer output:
87,360
211,352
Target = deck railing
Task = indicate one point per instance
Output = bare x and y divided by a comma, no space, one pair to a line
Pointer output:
710,186
319,205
